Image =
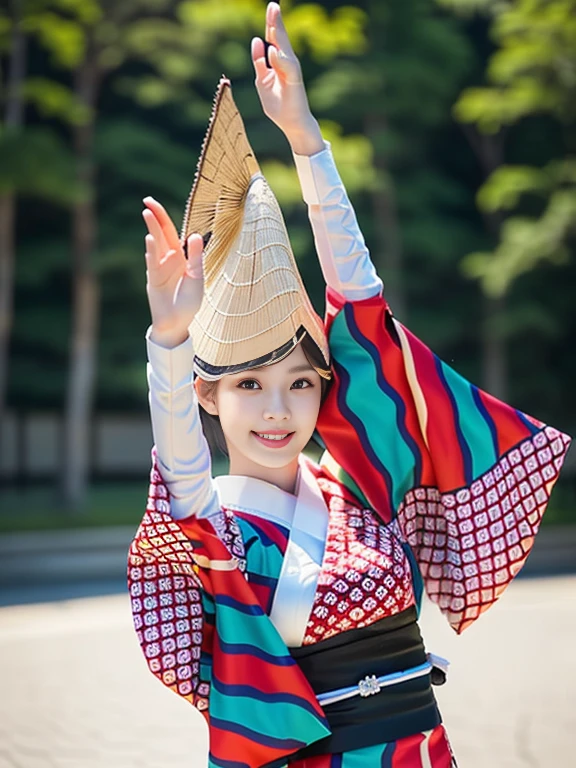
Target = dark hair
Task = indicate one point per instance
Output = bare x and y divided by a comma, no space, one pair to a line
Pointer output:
211,424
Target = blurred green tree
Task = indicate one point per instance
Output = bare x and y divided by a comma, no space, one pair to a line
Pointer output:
530,208
183,59
34,161
398,94
533,71
90,45
408,170
176,45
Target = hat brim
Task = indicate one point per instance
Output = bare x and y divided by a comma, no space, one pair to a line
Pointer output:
214,372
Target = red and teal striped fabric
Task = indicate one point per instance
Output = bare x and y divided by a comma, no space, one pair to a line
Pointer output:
260,706
423,750
195,646
467,476
266,544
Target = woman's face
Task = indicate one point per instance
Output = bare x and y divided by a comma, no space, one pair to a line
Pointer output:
267,414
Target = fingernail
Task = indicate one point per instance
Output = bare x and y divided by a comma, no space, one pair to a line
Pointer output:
148,199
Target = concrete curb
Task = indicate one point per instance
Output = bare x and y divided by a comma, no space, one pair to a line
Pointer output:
554,552
68,556
58,557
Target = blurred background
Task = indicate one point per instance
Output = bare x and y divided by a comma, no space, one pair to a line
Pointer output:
453,124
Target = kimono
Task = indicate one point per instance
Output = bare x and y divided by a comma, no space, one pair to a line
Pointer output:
427,483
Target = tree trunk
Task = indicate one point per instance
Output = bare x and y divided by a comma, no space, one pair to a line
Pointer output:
388,254
494,354
7,258
13,120
489,151
85,302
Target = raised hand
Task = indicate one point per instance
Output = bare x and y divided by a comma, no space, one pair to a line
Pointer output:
174,284
281,89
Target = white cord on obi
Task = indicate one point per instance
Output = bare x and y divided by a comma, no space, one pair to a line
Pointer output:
371,684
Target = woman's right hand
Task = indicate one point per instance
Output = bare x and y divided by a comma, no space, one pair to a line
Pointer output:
281,87
175,285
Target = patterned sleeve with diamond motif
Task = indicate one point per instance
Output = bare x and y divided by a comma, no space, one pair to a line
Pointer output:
467,477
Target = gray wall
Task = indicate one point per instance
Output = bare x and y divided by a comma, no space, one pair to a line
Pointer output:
30,446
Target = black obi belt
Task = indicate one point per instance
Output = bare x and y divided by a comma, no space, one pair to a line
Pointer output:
382,678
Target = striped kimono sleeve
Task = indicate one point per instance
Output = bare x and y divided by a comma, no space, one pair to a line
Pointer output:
206,636
467,477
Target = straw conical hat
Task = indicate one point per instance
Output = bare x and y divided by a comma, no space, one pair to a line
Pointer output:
255,307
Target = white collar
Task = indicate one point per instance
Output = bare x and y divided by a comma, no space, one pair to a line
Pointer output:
248,494
272,503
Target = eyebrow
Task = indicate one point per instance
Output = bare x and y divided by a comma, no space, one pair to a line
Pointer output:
297,369
301,368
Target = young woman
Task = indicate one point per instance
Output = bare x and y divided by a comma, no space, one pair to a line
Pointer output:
282,599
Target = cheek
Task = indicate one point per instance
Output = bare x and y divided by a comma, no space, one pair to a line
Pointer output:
233,411
308,408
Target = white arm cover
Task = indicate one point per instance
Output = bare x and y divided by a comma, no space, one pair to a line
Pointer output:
182,451
341,249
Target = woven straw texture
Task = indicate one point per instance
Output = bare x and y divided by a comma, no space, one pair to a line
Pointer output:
226,165
254,299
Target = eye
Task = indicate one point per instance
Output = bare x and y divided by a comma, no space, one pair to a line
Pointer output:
249,384
302,384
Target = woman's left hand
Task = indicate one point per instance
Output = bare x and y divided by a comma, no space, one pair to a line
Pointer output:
281,88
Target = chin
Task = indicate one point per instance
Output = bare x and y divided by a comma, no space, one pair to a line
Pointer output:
276,458
276,462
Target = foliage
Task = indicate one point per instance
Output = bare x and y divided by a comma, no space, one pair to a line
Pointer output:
532,72
382,78
353,153
36,162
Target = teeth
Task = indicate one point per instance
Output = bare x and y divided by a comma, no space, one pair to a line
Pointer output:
272,437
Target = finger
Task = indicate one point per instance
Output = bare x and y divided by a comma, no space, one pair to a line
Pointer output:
151,254
155,230
195,249
257,47
195,246
169,233
165,272
286,68
277,62
170,256
155,259
269,17
156,273
166,223
278,35
259,59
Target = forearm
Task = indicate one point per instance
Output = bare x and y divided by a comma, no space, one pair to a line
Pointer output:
342,252
307,140
182,452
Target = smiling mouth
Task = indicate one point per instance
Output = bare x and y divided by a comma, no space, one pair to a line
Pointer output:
273,440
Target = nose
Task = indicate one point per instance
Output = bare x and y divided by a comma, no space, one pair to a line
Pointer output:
276,407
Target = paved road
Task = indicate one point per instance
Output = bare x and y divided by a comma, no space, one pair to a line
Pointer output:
75,693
